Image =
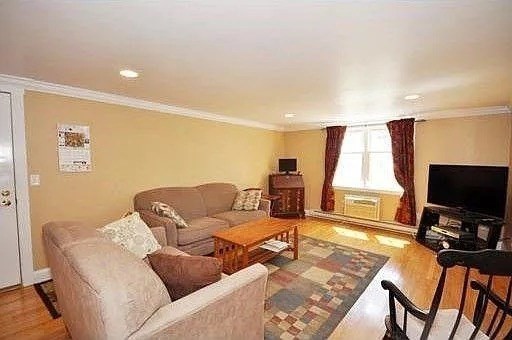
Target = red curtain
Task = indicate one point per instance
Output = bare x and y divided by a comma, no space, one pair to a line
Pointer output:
402,147
332,154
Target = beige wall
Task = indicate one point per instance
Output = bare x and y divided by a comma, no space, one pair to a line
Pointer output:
468,140
133,150
482,140
308,147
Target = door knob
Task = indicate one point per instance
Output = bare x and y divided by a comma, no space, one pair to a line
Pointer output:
5,203
5,193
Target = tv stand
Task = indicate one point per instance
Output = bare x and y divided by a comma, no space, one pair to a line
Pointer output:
464,236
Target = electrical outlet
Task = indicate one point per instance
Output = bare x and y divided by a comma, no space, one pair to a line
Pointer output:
35,180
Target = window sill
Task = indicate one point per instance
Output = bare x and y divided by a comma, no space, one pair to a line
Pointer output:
370,191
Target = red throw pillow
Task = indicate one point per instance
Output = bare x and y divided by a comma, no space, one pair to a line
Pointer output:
183,275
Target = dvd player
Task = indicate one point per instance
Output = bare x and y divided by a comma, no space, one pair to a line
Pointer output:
451,232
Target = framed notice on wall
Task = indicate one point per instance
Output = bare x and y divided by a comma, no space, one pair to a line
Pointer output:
74,143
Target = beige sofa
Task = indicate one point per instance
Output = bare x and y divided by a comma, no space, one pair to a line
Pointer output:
106,292
206,208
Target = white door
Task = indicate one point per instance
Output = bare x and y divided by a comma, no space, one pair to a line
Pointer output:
9,249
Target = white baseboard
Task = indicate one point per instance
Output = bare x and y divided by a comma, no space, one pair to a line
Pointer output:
361,221
42,275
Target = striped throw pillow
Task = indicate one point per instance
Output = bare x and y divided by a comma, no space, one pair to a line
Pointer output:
165,210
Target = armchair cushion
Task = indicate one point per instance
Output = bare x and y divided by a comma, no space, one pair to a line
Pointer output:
183,275
124,289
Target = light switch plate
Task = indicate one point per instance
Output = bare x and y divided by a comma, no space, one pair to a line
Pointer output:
35,180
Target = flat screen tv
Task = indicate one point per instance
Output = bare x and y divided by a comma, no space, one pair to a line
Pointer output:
287,165
480,189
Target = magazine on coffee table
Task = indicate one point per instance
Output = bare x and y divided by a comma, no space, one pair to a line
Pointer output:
274,245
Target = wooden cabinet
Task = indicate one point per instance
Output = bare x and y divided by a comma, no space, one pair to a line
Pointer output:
291,190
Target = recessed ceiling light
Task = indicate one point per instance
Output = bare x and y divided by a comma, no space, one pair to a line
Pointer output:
412,97
289,115
128,73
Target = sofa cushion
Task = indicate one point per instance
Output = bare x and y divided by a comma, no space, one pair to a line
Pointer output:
234,217
188,202
200,229
183,275
217,197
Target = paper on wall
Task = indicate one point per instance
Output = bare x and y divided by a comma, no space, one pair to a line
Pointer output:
74,146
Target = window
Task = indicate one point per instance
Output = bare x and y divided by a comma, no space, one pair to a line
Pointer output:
366,161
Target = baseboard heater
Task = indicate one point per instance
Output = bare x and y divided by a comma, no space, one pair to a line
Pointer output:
333,216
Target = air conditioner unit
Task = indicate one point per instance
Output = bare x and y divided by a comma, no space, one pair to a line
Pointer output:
362,207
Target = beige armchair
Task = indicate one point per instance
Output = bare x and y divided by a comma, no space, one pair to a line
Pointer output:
106,292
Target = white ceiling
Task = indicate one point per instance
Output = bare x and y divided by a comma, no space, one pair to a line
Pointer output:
326,61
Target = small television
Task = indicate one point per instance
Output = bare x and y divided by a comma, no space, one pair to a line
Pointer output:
474,188
287,165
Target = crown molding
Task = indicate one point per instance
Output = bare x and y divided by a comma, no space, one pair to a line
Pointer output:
109,98
424,115
22,83
467,112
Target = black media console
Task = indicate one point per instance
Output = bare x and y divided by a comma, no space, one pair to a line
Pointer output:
457,229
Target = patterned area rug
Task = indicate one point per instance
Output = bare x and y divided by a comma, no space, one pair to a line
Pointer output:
306,298
46,291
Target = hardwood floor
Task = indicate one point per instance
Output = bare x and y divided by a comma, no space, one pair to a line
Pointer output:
24,316
412,267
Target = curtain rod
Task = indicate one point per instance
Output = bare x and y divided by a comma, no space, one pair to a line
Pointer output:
375,124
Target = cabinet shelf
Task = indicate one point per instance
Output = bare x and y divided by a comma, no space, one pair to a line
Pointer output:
469,223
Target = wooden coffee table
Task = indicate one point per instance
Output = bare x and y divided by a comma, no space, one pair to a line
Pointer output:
238,247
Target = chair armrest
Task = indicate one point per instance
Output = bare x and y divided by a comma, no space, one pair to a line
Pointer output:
154,221
404,301
159,233
498,301
169,250
264,205
231,308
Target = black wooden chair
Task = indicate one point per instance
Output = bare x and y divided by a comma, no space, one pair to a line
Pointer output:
436,323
